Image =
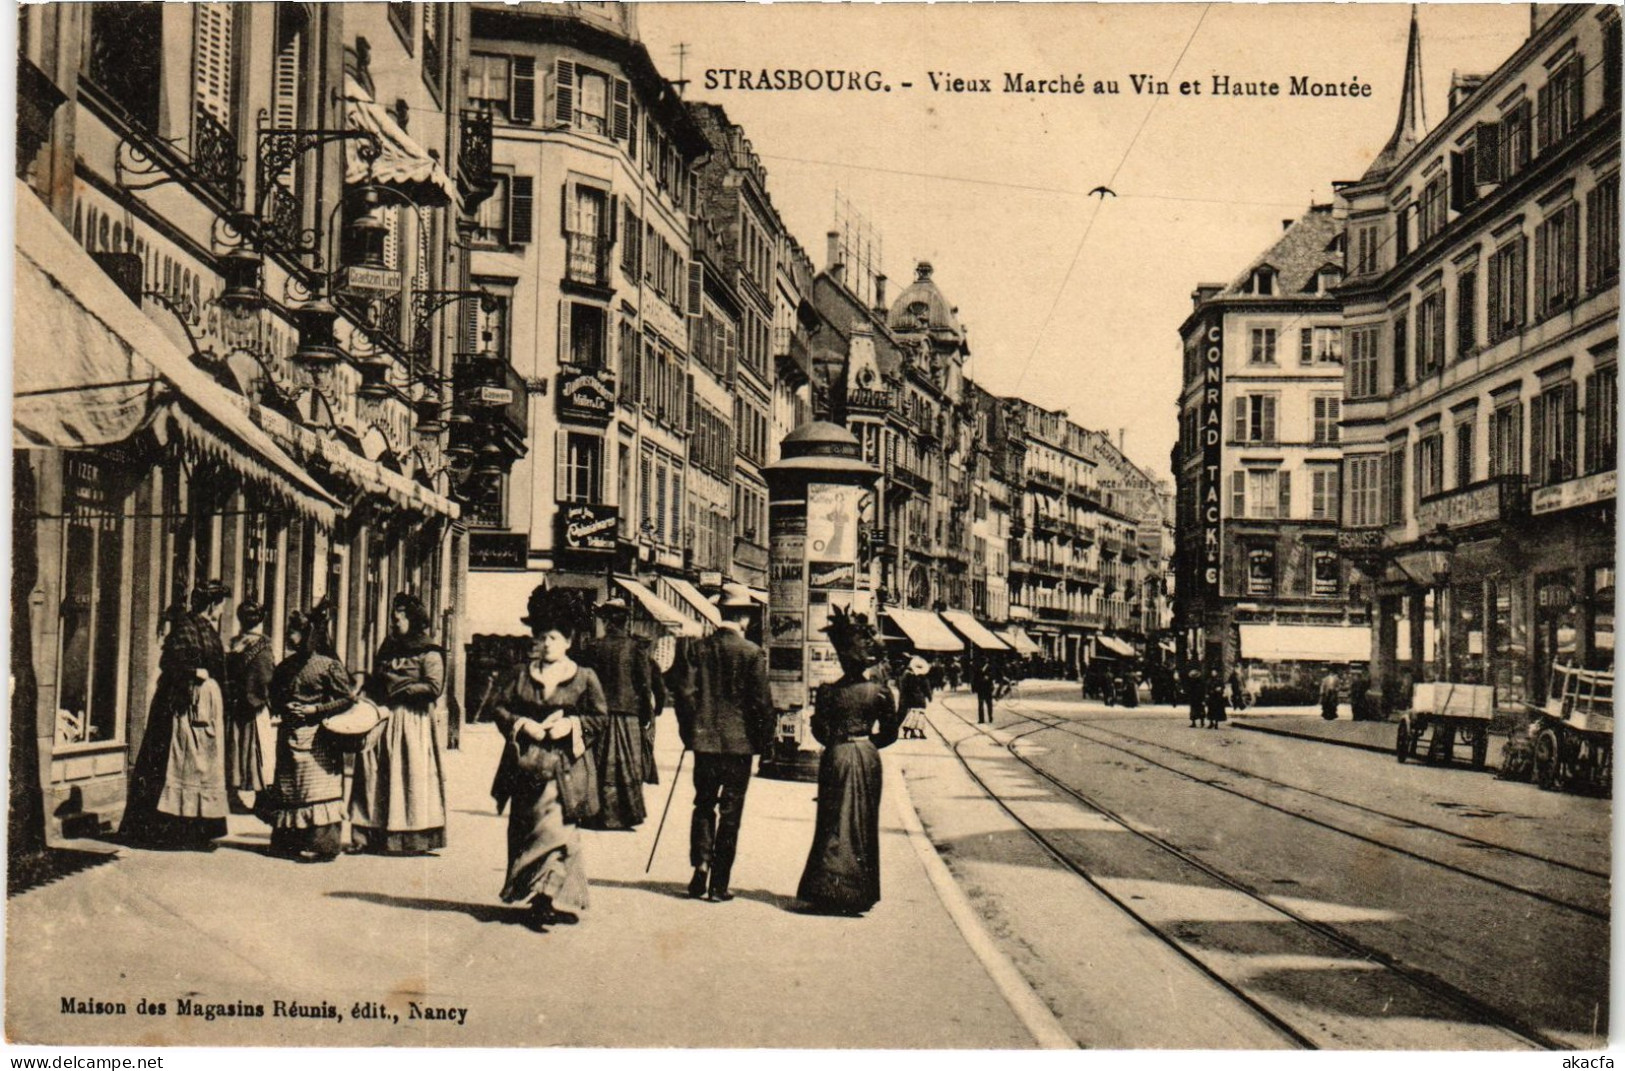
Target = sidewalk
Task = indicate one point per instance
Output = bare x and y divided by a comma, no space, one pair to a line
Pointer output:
645,967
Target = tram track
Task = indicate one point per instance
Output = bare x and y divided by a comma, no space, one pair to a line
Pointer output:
1073,729
1278,1012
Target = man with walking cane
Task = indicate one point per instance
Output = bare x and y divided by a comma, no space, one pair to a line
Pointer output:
724,712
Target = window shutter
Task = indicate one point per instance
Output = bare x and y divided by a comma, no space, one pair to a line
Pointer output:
561,465
1238,495
634,132
1334,500
1239,423
1306,345
1543,117
564,92
521,209
1520,280
1284,509
1487,153
285,90
212,67
1542,291
565,354
622,108
688,393
1570,416
522,92
1268,407
696,287
1540,461
469,327
645,486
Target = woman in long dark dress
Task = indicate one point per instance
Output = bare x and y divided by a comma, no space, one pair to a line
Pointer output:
398,801
1215,701
852,718
177,797
250,734
551,711
310,684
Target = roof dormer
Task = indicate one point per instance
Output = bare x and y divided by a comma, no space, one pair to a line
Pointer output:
1262,280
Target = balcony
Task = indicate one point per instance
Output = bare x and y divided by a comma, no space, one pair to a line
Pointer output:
215,163
475,179
1129,550
901,476
587,260
1084,535
1045,481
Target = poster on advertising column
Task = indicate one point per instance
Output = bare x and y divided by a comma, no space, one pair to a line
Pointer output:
832,522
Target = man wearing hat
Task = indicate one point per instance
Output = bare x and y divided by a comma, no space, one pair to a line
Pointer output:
724,710
628,675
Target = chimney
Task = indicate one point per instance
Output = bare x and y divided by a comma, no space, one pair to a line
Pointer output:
1120,433
880,292
1286,224
832,258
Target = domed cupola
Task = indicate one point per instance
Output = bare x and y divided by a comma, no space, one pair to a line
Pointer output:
922,308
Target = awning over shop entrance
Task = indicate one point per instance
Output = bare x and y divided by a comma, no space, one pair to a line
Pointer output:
90,369
496,602
974,631
685,594
662,611
1018,639
1306,643
402,162
1114,646
925,630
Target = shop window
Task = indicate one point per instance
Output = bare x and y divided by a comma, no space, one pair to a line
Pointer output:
1466,636
1556,624
91,612
1600,619
582,477
1511,641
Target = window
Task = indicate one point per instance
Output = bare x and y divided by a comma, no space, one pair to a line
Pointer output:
1362,364
92,584
1602,416
1323,493
631,241
1326,574
1506,440
400,17
592,106
1432,208
587,328
1557,261
1263,346
1365,491
1367,247
491,218
1320,345
1402,356
490,83
1561,103
1255,418
1514,148
434,46
588,219
1464,178
1328,411
1465,461
126,57
1262,282
1402,230
487,502
1429,465
1430,334
1553,435
1261,571
485,329
1263,494
1508,288
1466,314
1395,480
583,468
1602,234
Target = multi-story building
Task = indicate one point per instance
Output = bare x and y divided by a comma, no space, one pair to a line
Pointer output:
584,250
254,256
714,350
732,186
1259,574
793,321
1480,411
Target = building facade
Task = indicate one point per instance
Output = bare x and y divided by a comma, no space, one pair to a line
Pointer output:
259,386
1480,413
1259,575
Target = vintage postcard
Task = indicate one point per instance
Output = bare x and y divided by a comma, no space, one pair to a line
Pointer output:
813,526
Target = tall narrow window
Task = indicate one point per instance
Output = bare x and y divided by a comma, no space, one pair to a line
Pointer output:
1553,423
1328,411
1602,234
1323,493
1402,356
1466,314
1465,462
1429,465
1557,261
1602,417
1362,363
1506,440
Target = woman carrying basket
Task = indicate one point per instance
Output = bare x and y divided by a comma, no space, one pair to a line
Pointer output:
308,685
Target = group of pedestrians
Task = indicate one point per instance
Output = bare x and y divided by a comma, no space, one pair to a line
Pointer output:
237,731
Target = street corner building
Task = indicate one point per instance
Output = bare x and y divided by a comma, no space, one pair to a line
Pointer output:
1398,426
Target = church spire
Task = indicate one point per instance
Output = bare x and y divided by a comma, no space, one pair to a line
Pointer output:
1412,125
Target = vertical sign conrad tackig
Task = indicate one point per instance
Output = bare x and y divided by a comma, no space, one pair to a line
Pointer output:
1212,414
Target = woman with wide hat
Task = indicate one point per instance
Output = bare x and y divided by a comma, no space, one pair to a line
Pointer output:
398,801
307,809
177,797
851,718
551,711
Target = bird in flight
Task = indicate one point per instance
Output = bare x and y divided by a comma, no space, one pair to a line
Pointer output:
1102,191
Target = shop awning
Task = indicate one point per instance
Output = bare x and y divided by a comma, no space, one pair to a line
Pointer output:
683,594
662,611
496,601
1306,643
925,630
402,162
368,475
1018,639
1116,646
974,631
757,594
89,369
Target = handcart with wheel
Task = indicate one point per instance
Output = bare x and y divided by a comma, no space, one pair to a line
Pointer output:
1574,731
1445,715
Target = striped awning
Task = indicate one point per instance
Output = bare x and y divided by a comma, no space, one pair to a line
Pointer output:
1017,638
1115,646
663,612
683,594
925,630
401,163
90,369
974,631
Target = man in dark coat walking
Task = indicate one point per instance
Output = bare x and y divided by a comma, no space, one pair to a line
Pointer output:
719,690
628,675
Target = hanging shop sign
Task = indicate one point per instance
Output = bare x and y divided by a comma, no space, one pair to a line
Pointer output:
357,278
587,526
586,394
497,550
1358,539
1211,413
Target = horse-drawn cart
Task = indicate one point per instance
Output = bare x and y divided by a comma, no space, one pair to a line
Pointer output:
1447,714
1574,731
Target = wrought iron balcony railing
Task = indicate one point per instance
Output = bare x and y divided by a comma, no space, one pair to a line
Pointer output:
587,259
474,174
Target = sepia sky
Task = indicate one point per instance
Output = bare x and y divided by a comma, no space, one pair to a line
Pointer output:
992,188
